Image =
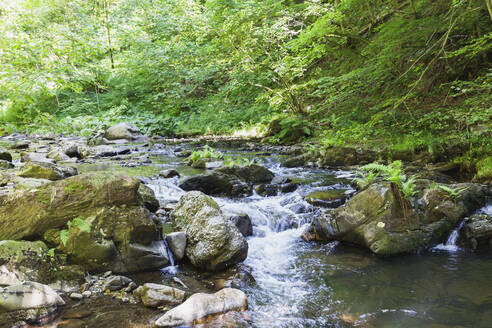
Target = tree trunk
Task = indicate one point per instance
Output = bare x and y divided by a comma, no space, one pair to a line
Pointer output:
489,7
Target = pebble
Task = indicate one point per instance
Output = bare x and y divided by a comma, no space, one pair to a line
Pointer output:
87,294
76,296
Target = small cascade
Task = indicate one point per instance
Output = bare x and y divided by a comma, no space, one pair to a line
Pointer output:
450,244
163,248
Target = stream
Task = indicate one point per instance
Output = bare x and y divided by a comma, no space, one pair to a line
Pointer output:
300,284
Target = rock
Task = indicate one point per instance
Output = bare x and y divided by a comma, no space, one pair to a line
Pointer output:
29,301
267,189
200,306
345,156
155,295
5,165
9,276
76,296
20,145
29,183
199,164
217,185
177,244
37,157
252,174
109,151
148,198
87,294
121,228
289,187
169,174
296,161
243,223
229,181
182,154
214,242
5,155
46,171
73,151
382,220
238,276
327,198
123,131
26,259
58,156
113,283
131,286
478,230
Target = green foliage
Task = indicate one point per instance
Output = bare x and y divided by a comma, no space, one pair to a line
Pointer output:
357,71
206,153
366,179
76,223
453,192
241,161
392,172
64,235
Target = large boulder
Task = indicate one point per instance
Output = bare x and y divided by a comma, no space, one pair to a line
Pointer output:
201,306
123,131
46,171
214,242
110,228
28,302
229,181
381,219
155,295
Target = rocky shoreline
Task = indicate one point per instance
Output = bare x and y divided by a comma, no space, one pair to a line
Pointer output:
83,235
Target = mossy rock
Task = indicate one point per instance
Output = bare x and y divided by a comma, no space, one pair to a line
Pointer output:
327,198
484,170
22,252
46,171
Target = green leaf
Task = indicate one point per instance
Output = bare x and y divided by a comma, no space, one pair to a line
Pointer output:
64,236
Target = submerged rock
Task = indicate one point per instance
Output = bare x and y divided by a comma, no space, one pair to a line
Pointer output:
200,306
117,230
123,131
46,171
155,295
382,220
214,242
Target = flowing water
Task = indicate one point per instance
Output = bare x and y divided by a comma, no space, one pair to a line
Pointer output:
300,284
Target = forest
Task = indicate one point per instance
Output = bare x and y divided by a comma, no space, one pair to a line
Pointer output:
245,163
412,72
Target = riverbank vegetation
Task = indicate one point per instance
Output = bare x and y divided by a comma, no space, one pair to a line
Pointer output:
409,74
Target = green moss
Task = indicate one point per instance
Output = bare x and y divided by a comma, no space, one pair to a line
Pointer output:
74,187
484,170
